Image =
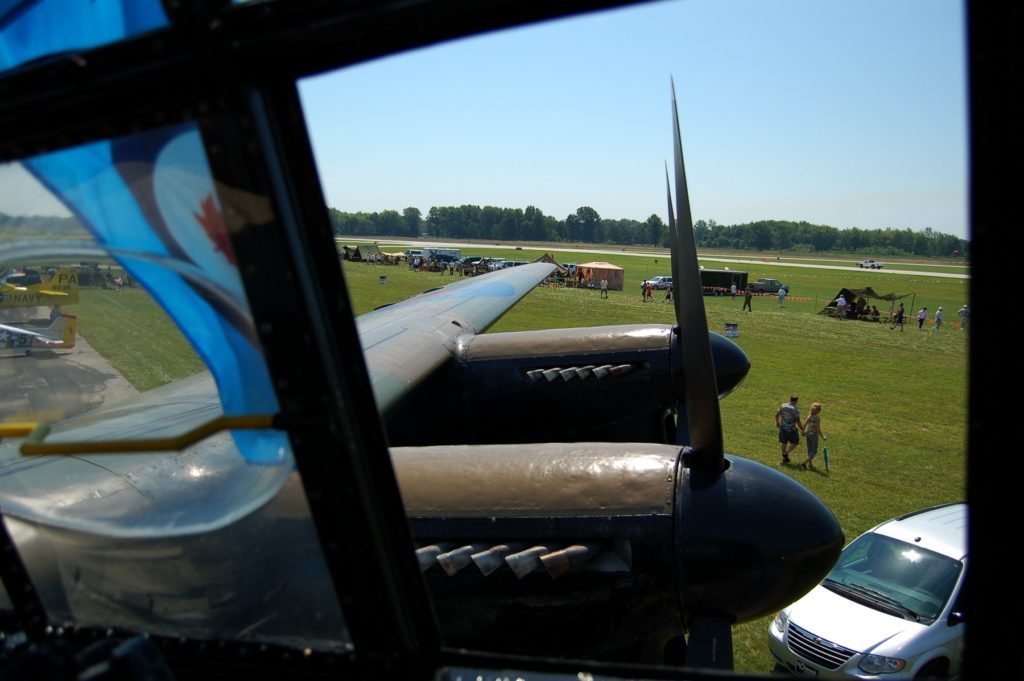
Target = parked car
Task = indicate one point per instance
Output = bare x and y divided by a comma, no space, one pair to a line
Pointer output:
767,286
889,609
660,282
871,265
471,260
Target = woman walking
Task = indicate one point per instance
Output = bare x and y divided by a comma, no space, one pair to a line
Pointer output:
812,430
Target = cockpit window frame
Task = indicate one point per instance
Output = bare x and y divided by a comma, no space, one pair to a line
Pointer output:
223,62
234,73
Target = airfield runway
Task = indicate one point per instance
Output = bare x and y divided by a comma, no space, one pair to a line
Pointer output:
753,261
54,384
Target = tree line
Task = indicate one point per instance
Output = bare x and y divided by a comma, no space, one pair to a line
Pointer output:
22,225
804,237
587,226
500,224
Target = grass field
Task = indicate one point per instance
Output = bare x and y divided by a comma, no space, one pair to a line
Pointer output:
810,289
135,336
894,402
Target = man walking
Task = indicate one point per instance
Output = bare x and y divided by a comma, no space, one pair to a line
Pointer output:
841,306
898,319
604,288
747,295
787,420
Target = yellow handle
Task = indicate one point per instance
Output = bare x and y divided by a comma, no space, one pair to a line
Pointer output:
17,429
35,433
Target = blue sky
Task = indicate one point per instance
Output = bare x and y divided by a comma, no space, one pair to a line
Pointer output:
850,113
847,113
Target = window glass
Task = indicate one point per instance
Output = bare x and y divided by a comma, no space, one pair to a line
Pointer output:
30,29
124,321
816,133
913,578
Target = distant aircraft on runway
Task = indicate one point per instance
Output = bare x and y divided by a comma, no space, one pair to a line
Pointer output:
59,335
29,289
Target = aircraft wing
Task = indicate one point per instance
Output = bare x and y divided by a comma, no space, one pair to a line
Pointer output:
138,494
405,342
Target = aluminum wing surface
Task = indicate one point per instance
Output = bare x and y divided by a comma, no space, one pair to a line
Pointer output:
406,342
140,495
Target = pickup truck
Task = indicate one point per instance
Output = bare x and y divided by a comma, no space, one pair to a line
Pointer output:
871,265
767,286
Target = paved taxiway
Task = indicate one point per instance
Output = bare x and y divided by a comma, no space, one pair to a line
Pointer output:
664,254
51,385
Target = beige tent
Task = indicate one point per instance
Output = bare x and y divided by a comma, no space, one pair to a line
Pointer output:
591,274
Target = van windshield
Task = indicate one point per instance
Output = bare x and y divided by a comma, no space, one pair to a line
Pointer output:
892,575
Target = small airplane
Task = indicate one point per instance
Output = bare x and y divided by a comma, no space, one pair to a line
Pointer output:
560,493
30,289
59,335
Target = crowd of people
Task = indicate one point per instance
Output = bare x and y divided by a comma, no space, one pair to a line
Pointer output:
859,310
897,314
938,320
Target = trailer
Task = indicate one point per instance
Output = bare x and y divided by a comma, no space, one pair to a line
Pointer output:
719,282
443,254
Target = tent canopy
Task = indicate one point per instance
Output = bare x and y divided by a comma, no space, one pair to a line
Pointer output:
852,294
591,273
547,257
601,265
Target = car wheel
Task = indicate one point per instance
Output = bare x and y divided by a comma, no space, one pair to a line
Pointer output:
936,669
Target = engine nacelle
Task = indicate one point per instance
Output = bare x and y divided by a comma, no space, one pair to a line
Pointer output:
604,550
611,384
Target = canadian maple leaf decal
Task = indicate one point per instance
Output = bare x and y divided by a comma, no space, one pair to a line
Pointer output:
212,222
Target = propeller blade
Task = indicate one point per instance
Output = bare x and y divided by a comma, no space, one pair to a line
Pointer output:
673,248
682,430
703,418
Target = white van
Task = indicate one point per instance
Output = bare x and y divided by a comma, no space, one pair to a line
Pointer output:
890,608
